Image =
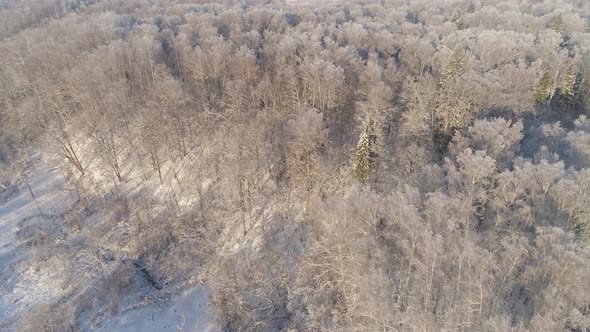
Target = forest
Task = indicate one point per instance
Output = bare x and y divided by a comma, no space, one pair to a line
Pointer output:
353,165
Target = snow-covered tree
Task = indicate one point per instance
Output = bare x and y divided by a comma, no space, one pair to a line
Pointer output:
362,167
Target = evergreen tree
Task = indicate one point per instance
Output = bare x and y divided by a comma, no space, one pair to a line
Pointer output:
565,88
470,7
453,113
581,230
569,82
570,86
459,21
556,24
362,157
544,88
453,68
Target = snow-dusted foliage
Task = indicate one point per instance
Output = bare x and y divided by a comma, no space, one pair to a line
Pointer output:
366,165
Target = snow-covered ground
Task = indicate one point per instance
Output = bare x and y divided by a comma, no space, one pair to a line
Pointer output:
19,291
187,312
22,287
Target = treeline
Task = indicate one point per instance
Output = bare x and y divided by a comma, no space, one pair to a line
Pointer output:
362,165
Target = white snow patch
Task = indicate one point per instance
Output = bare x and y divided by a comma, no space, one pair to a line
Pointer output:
187,312
19,292
206,184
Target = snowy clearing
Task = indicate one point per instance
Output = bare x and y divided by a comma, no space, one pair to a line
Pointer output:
22,287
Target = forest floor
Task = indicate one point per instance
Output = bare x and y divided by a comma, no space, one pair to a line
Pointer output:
186,312
22,287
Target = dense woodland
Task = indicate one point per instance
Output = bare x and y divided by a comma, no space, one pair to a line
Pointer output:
362,165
